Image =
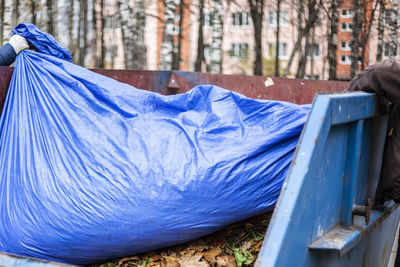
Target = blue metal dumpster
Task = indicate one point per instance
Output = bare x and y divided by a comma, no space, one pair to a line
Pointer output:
324,215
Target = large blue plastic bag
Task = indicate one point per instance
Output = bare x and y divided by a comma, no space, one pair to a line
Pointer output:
93,169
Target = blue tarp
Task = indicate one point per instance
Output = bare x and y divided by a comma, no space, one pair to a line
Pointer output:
93,169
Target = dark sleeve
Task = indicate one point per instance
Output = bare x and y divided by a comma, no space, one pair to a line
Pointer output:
382,78
7,55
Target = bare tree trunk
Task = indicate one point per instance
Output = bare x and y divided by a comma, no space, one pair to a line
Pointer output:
71,43
50,21
217,35
167,46
102,43
1,19
94,30
304,32
82,31
140,46
15,13
33,11
278,19
355,40
7,27
177,54
393,44
301,55
79,37
200,40
312,52
133,22
366,23
332,39
381,30
257,15
301,70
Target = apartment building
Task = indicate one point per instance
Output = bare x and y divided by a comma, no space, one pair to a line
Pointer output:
238,39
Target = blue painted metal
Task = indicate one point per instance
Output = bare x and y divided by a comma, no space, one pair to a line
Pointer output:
336,167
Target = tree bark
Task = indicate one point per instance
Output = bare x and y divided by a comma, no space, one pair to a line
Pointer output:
217,37
167,46
15,13
83,31
366,23
304,32
95,32
332,39
103,50
355,54
7,27
257,15
200,39
277,35
133,23
381,30
1,19
177,51
50,21
71,42
393,44
301,70
33,11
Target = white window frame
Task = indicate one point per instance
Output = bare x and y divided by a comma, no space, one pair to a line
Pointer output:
271,54
348,28
236,50
283,21
347,46
350,13
238,19
347,60
316,57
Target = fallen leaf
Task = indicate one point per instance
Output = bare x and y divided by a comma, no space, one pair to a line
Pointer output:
193,260
171,262
127,259
225,261
211,254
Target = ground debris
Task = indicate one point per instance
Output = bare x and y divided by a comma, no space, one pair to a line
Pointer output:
235,245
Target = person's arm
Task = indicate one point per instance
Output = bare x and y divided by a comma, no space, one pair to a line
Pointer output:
381,78
10,50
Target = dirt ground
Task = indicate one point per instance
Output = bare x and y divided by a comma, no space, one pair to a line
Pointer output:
235,245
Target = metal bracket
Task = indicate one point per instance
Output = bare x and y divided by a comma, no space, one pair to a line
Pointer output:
364,211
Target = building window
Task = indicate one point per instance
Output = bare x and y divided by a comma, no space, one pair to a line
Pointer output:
207,20
346,26
283,20
345,46
386,50
282,50
240,19
345,60
316,50
240,51
347,13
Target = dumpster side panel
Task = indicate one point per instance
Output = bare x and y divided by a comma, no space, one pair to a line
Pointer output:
336,168
174,82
